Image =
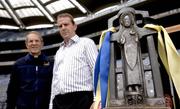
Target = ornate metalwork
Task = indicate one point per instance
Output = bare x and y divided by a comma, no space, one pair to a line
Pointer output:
131,85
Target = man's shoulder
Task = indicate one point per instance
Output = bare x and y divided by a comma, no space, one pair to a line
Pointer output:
86,39
21,60
87,42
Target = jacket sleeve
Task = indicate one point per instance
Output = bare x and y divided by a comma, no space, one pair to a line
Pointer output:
12,89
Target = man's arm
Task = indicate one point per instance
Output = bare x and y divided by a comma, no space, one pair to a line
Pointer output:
12,90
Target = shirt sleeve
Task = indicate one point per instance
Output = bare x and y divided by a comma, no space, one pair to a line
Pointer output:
91,52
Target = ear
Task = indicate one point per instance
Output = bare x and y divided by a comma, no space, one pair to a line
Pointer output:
42,43
26,45
75,27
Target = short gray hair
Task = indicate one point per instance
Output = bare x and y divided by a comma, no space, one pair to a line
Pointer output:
33,32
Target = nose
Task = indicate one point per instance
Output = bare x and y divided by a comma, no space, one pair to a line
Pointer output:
63,27
34,42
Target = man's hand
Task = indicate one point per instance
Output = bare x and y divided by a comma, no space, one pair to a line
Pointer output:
168,101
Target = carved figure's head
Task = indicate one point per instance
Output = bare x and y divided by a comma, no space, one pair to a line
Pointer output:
126,16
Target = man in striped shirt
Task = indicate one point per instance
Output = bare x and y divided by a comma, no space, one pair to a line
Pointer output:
72,84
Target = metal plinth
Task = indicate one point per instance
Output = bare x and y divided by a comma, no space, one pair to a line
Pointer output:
137,107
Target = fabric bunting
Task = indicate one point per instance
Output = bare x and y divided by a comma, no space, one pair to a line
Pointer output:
102,69
168,54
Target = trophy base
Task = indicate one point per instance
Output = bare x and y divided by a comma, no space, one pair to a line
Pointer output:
136,107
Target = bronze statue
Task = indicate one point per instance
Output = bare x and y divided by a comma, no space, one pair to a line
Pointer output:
130,86
128,40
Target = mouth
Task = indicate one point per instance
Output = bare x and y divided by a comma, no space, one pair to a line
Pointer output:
64,33
34,48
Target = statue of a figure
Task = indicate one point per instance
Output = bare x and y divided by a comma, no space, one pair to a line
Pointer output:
129,84
127,38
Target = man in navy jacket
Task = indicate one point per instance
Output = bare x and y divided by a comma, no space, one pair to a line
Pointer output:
30,81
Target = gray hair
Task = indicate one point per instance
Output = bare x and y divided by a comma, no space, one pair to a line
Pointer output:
33,32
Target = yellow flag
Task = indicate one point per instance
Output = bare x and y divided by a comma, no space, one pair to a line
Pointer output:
169,55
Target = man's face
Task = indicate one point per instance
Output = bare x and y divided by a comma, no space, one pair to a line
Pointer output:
34,44
66,27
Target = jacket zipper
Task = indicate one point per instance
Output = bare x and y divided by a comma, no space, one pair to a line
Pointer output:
36,101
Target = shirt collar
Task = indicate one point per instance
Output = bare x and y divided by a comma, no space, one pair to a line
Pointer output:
41,57
74,39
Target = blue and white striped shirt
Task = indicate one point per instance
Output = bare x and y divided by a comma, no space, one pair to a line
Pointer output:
74,66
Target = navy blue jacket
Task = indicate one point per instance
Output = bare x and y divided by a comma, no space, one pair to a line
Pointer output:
30,83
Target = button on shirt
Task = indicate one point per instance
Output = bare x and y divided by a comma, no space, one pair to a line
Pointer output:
74,66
